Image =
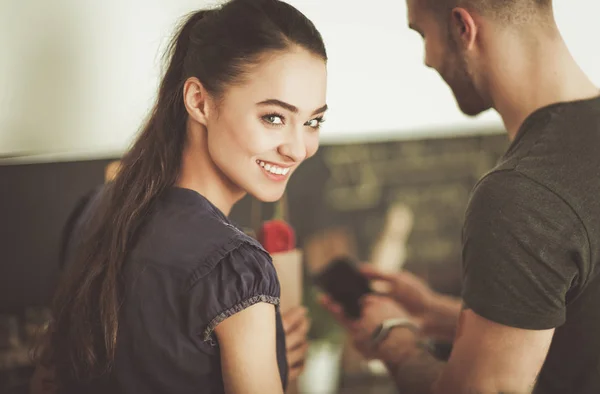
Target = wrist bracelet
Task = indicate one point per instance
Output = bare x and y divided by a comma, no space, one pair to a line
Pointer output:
383,330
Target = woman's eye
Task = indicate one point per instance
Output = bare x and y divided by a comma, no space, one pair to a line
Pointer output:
315,123
273,119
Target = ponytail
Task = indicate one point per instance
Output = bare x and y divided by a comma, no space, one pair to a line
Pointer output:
82,336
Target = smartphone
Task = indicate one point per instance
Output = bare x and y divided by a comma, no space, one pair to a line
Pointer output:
344,283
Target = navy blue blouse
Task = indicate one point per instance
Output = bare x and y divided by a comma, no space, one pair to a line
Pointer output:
190,269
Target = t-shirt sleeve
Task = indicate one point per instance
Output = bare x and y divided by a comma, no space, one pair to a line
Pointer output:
523,248
244,277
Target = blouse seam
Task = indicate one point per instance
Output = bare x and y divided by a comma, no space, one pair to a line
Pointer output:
216,255
207,335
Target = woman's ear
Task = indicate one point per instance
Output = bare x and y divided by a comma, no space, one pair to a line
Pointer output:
196,100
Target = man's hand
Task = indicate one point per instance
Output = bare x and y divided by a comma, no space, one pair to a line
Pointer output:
409,290
295,325
437,313
375,309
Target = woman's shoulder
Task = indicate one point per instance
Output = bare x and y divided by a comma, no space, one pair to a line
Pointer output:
242,258
237,280
186,231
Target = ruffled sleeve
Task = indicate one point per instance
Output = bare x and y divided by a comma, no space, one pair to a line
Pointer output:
244,277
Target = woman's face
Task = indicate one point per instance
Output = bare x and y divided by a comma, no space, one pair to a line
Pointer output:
264,128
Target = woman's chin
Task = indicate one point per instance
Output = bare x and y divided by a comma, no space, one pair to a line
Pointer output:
268,195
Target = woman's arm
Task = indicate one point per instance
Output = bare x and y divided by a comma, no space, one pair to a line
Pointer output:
248,348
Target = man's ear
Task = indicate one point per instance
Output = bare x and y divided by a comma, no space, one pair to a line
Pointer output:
464,27
196,100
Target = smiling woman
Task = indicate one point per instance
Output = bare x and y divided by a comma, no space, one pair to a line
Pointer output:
162,293
273,117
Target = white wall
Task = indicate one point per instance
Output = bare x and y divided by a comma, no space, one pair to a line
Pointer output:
78,76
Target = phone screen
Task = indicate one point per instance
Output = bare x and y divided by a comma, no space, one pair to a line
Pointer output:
342,281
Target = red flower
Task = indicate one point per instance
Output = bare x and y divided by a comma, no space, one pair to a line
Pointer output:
277,236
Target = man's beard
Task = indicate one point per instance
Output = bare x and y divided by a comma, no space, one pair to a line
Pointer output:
468,97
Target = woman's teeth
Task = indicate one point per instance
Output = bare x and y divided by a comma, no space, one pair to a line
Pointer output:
273,169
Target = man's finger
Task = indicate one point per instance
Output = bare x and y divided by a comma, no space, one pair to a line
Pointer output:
369,299
335,309
375,274
327,303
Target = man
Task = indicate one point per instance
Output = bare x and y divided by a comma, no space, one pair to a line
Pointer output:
530,313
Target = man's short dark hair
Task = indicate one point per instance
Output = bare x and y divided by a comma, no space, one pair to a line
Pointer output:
508,11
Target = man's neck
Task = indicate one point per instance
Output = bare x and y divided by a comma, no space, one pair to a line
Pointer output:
536,75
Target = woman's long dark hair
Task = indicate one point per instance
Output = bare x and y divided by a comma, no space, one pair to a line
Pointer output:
215,46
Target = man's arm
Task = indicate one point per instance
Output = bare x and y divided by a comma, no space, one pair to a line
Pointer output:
493,358
441,319
487,358
414,370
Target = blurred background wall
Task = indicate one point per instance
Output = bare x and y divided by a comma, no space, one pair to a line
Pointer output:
78,76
